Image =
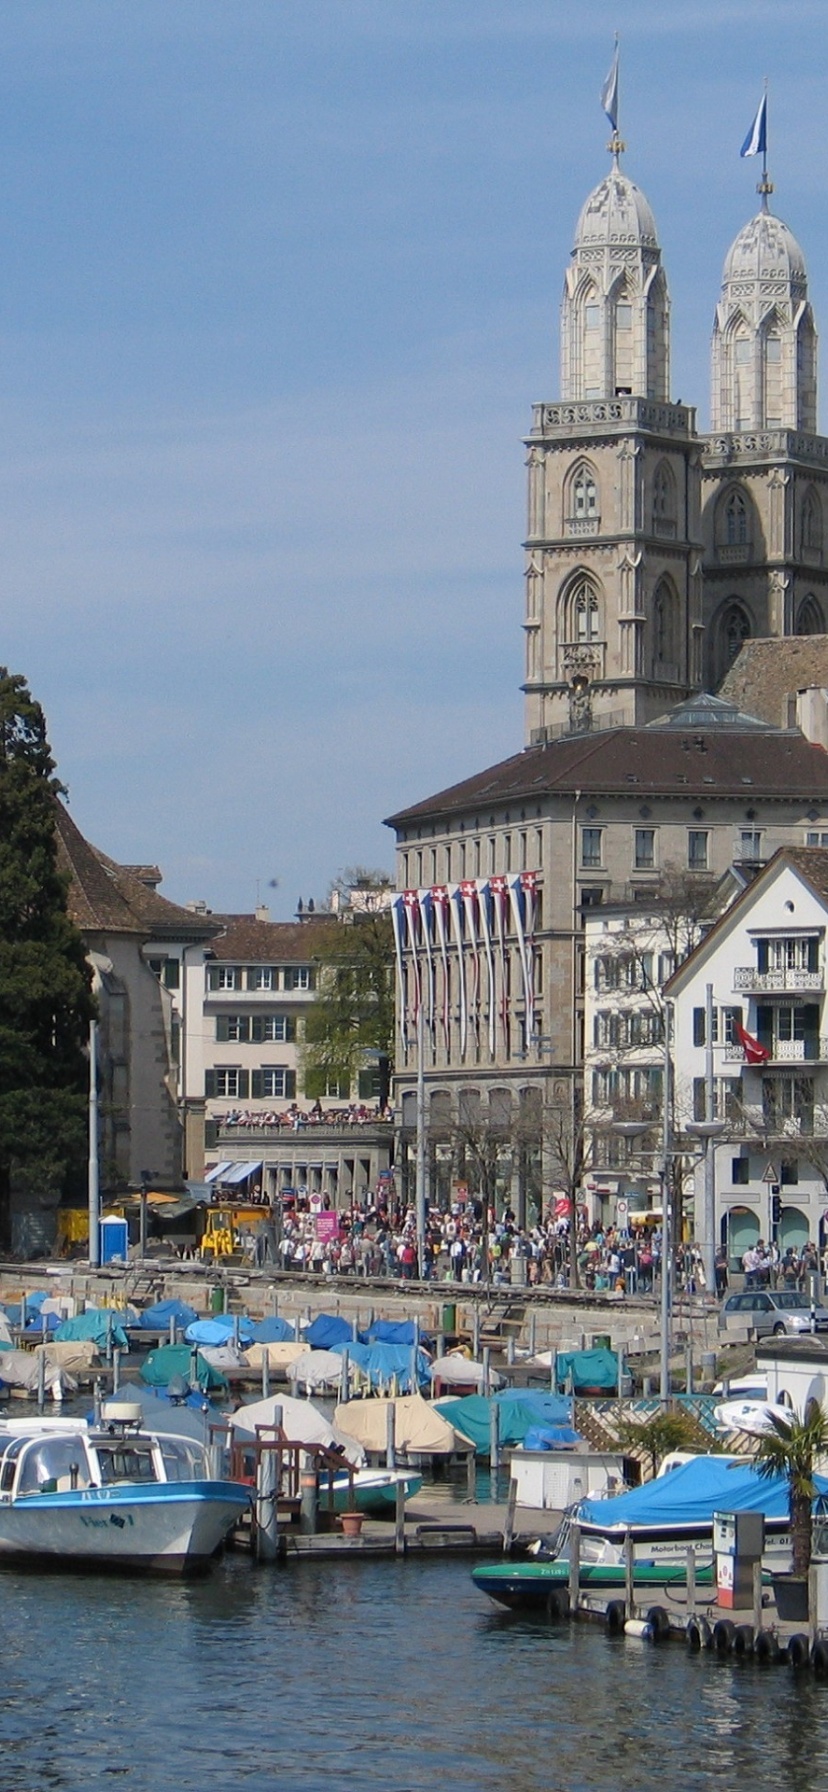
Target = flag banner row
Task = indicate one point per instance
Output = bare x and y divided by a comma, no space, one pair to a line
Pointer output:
454,947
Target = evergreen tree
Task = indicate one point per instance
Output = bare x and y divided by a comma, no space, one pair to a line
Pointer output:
45,982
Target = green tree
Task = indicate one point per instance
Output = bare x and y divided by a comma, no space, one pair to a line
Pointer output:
793,1448
657,1436
351,1023
45,982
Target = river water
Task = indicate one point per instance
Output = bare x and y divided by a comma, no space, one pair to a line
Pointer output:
394,1676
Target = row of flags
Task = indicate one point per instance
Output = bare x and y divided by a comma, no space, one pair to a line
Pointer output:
755,143
453,945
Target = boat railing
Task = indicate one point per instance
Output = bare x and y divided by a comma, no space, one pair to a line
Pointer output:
293,1462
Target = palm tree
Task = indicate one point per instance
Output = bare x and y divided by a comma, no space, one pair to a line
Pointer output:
793,1448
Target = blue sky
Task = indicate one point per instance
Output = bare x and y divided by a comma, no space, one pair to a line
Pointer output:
279,282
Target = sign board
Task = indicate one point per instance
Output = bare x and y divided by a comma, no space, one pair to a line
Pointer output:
327,1226
622,1210
770,1174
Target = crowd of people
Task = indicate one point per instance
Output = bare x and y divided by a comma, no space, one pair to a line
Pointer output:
766,1267
295,1119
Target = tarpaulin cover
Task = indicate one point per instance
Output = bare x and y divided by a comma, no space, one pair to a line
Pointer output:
302,1423
520,1409
177,1359
691,1494
551,1437
279,1356
456,1369
35,1325
157,1318
327,1330
95,1325
392,1331
316,1368
224,1328
418,1427
588,1369
273,1331
384,1363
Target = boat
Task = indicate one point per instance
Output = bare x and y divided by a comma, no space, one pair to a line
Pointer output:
112,1496
539,1585
374,1490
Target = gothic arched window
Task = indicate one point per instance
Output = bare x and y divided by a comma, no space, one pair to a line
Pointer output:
810,620
664,501
665,625
735,628
736,519
585,614
811,535
583,495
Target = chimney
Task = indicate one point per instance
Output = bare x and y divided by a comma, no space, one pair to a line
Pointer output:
812,714
262,911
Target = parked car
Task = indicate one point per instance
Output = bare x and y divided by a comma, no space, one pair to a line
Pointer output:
767,1311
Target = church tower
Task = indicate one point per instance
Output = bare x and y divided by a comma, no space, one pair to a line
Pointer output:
765,477
613,610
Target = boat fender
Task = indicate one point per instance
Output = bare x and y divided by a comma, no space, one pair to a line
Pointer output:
615,1617
697,1633
819,1658
799,1653
743,1639
637,1627
557,1606
723,1633
765,1647
659,1623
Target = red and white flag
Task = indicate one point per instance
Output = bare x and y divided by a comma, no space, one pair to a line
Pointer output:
754,1052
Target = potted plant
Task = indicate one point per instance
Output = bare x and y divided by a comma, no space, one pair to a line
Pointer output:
792,1448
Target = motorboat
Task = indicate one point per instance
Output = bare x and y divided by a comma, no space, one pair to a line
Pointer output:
113,1495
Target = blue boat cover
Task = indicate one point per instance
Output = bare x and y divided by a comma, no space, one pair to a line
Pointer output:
327,1330
588,1369
94,1325
550,1437
38,1320
393,1331
383,1363
691,1494
520,1409
157,1318
221,1330
273,1331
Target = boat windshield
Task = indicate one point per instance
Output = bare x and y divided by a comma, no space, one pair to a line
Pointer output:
126,1459
54,1464
183,1460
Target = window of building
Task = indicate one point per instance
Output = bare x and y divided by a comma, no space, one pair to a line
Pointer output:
698,840
280,1027
811,523
227,1080
740,1171
735,629
227,976
264,977
592,316
789,1174
788,1103
664,501
298,976
813,838
172,973
742,351
736,519
750,843
623,317
591,848
274,1079
584,494
788,953
232,1026
644,859
586,615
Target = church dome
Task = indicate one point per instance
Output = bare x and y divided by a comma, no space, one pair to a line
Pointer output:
765,249
616,212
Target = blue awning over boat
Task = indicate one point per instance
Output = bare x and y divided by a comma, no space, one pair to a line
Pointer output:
691,1494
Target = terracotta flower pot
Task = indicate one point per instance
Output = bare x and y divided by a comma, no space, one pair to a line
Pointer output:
352,1523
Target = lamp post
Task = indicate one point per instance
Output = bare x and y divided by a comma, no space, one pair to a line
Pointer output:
708,1131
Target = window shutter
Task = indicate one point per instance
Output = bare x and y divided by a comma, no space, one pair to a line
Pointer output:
244,1027
213,976
289,982
290,1028
222,1029
290,1084
698,1026
762,955
244,1084
257,1085
250,977
311,978
257,1029
367,1085
209,1084
813,955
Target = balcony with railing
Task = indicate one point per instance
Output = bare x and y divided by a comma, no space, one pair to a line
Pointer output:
783,1053
792,980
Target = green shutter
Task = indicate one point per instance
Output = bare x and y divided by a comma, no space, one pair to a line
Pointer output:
222,1030
244,1085
290,1028
213,976
311,978
257,1085
209,1084
290,982
257,1029
290,1084
250,977
244,1028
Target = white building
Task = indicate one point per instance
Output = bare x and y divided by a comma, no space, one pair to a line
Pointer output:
765,960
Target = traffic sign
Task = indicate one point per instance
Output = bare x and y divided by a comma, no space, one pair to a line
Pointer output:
622,1208
770,1174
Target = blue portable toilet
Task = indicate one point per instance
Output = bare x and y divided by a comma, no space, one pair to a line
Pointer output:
114,1240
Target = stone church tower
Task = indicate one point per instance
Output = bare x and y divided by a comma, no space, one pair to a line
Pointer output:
613,577
765,475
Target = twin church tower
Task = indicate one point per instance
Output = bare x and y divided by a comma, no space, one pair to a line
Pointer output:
653,552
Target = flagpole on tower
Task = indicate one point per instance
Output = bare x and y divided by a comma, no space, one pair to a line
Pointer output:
756,143
609,104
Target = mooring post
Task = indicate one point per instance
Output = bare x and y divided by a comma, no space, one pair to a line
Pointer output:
265,1372
41,1378
574,1567
391,1435
757,1597
267,1507
308,1497
629,1574
476,1332
344,1377
23,1313
116,1370
509,1526
510,1350
813,1588
172,1328
109,1334
471,1473
553,1371
532,1332
96,1404
688,1366
399,1519
691,1581
487,1371
494,1446
619,1363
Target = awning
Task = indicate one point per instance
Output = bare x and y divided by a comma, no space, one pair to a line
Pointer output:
240,1172
218,1170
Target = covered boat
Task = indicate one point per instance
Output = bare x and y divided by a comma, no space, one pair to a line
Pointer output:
676,1509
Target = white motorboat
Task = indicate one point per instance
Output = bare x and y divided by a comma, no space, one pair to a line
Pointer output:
113,1496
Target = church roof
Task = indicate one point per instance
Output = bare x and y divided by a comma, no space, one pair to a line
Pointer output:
691,759
616,212
765,249
768,671
105,897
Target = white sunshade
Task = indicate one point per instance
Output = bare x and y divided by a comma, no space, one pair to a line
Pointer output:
218,1170
240,1172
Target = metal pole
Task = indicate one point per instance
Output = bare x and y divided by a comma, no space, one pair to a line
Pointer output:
666,1207
93,1185
420,1184
708,1239
390,1435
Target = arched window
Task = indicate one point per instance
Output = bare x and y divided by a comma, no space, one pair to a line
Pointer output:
582,507
665,626
810,620
585,614
736,520
811,533
734,629
772,374
664,501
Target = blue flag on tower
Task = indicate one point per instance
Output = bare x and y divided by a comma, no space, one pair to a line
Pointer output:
756,141
609,92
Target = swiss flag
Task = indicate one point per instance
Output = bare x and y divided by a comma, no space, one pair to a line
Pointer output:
754,1052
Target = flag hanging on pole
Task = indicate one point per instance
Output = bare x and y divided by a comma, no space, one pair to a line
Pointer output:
756,141
609,91
755,1052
